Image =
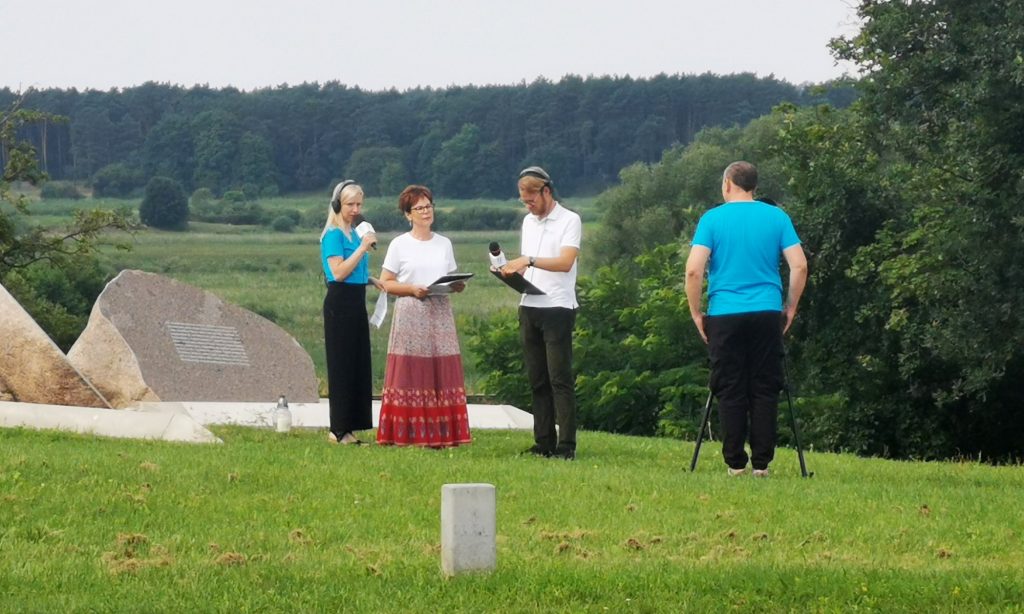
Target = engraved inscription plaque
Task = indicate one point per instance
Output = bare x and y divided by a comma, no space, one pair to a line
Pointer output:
216,345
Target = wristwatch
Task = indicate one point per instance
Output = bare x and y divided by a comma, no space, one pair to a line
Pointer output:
532,261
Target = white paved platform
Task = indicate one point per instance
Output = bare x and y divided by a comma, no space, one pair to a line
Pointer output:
130,424
186,421
317,415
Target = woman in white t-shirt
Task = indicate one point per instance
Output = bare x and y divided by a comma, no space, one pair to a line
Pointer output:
424,400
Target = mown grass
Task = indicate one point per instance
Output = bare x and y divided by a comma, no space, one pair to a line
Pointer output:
289,523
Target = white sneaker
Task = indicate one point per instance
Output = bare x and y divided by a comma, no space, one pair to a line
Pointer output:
760,473
736,472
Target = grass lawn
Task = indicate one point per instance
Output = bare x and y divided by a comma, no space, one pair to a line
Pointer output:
289,523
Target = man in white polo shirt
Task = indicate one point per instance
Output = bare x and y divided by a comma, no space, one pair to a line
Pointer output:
550,245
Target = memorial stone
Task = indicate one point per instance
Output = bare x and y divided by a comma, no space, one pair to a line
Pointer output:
151,338
468,528
32,368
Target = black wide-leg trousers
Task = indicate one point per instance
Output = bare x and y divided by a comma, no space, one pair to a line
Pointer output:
746,378
349,372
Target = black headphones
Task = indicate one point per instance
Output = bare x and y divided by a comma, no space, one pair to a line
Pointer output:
336,203
539,173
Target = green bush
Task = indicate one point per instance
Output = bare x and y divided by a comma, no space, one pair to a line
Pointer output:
117,180
59,295
164,205
234,196
201,198
640,365
59,189
283,223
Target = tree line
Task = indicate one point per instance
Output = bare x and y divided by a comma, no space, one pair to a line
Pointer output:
462,141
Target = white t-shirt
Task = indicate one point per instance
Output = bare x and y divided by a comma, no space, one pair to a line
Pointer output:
545,238
419,262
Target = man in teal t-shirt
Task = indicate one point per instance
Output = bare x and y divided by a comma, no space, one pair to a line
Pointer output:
743,239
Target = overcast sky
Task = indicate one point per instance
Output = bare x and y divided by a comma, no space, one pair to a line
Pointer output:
379,44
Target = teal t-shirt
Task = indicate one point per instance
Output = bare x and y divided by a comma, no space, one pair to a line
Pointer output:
335,243
746,240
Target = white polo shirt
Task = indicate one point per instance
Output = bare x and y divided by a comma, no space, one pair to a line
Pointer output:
545,238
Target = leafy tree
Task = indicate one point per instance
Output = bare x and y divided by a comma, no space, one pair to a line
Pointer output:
255,164
452,168
52,272
169,150
368,164
216,136
164,205
943,92
392,179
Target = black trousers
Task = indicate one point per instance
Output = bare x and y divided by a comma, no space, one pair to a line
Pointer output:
546,334
349,373
746,378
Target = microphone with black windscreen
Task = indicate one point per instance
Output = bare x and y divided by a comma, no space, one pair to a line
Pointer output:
363,227
498,259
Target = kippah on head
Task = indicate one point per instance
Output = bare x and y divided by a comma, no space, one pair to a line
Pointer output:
341,186
535,171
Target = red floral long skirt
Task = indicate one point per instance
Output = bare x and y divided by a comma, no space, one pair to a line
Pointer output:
424,400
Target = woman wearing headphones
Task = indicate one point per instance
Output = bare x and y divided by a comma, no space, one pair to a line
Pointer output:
346,327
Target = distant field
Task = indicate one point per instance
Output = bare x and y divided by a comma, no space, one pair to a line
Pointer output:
277,275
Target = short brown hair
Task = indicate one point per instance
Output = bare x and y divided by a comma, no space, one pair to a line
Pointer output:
743,174
412,195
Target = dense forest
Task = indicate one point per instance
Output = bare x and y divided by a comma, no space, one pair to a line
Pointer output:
462,141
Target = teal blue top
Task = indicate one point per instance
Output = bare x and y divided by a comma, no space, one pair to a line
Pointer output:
335,243
746,240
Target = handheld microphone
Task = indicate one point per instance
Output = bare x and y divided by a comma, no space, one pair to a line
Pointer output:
363,227
498,259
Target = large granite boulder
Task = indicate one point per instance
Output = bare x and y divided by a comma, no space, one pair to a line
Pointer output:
32,368
5,394
151,338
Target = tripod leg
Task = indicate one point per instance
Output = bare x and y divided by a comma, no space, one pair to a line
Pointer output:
792,422
700,434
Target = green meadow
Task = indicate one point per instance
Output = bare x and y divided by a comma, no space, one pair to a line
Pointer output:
268,522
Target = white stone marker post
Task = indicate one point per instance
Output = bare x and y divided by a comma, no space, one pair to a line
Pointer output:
468,528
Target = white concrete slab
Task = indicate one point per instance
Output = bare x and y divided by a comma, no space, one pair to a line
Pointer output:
317,415
122,423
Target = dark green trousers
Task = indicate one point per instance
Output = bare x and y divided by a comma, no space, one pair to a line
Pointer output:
546,334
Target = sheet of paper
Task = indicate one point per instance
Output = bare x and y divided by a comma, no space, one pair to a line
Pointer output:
380,311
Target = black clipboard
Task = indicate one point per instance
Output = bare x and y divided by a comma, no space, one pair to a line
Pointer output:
451,277
443,285
518,283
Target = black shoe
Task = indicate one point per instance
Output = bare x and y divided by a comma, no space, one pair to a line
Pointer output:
538,451
565,453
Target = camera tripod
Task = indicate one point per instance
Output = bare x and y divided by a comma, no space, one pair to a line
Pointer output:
704,425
